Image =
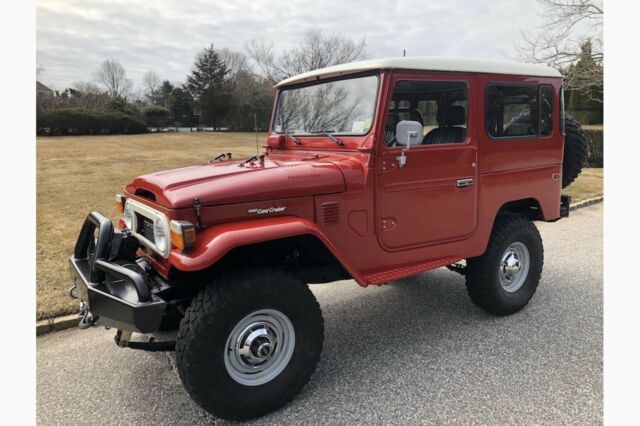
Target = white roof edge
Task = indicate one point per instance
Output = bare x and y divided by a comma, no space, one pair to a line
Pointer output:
426,64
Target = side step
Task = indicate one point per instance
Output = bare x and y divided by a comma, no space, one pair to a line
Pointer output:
384,277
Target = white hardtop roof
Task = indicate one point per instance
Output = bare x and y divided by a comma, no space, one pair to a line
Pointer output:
426,64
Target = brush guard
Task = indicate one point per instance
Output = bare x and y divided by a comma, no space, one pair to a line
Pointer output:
109,293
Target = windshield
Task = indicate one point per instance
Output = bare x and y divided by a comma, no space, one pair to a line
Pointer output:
339,107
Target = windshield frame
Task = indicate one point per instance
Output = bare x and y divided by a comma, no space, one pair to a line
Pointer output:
369,73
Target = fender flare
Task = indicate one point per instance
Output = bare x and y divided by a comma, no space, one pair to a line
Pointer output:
215,241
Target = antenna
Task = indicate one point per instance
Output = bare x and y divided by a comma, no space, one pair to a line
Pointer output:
404,52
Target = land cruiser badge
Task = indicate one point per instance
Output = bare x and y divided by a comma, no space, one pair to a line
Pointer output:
267,210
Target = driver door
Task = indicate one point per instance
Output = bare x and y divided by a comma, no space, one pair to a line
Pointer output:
432,198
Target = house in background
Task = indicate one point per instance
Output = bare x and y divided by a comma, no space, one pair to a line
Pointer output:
41,89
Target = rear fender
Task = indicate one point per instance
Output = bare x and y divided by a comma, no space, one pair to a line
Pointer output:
215,241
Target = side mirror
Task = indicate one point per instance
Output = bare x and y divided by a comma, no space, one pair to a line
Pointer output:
409,133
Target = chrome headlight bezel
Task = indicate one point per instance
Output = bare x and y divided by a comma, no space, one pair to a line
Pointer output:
128,216
158,218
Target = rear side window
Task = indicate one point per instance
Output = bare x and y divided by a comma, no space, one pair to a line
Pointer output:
519,110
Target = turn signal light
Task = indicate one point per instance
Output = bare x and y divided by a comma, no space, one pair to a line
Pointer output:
183,234
120,199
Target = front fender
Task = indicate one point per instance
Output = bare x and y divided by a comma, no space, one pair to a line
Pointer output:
215,241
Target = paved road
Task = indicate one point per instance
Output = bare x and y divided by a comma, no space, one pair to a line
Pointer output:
415,351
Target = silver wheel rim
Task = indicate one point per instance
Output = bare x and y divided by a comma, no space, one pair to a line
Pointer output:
259,347
514,267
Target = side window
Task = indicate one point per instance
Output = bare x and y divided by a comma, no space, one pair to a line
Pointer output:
440,106
514,110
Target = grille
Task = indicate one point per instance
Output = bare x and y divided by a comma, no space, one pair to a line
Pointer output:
145,226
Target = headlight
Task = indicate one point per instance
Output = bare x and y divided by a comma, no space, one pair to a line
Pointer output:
128,216
159,236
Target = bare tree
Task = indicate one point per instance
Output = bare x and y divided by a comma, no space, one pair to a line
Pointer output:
316,50
86,87
235,62
151,84
571,32
113,77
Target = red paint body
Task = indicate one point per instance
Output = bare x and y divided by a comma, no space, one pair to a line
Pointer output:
391,222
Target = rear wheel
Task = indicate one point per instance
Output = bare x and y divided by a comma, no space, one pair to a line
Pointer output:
505,277
249,343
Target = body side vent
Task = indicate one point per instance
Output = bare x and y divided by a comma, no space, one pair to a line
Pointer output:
330,213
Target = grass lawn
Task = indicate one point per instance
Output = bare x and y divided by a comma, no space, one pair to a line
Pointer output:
82,173
593,127
589,184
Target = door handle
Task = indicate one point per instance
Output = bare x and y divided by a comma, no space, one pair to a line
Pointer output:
461,183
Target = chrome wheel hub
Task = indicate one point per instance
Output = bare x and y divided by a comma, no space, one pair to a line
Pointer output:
514,267
259,347
257,343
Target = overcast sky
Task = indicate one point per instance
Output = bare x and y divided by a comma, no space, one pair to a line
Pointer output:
74,36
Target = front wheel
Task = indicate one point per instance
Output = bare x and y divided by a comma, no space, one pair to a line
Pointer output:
249,343
505,277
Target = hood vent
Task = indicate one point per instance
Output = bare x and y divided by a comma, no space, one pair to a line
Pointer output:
330,213
301,172
146,194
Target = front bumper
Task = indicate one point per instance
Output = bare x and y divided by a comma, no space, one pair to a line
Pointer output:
111,294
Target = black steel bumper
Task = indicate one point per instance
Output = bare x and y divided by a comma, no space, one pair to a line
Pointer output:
111,294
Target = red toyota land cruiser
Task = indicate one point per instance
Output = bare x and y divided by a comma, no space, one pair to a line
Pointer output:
372,171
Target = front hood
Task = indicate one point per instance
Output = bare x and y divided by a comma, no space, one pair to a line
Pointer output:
227,182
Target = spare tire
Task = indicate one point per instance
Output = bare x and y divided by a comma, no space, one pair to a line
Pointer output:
576,150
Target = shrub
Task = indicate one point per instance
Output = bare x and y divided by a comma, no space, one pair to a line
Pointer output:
156,116
587,116
75,121
596,147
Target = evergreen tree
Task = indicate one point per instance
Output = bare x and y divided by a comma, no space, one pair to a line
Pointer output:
207,84
584,87
165,94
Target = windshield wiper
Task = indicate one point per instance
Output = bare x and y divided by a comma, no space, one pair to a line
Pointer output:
330,136
248,160
293,138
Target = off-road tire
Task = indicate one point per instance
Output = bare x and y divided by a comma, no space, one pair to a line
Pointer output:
482,273
208,323
576,150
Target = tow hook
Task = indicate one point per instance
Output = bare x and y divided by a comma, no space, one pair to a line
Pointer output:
71,292
87,319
